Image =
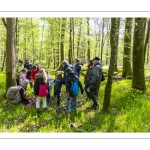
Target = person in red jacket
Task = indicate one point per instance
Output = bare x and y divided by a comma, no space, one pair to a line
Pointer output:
35,70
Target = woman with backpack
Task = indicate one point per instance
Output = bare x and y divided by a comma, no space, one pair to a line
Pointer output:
72,89
41,89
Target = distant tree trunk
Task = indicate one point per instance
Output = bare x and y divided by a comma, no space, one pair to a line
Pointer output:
114,48
88,34
73,56
108,42
102,41
138,81
147,39
79,37
127,48
147,60
63,28
70,43
10,53
117,42
3,61
17,35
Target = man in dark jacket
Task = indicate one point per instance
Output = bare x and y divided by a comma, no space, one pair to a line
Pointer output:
95,81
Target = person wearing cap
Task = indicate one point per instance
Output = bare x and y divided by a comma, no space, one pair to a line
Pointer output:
19,67
87,77
22,91
95,81
28,66
65,65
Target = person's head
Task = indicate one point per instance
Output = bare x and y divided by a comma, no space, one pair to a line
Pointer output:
90,62
68,70
26,62
47,73
35,68
64,62
58,76
24,70
77,61
96,60
44,75
24,83
20,62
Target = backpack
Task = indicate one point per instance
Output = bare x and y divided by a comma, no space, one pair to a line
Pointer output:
75,87
43,91
103,77
13,94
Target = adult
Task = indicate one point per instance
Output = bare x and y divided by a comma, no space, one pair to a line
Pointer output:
28,66
95,81
87,77
77,67
65,65
19,67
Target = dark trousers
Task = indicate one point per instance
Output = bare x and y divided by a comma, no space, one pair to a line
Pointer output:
58,98
94,95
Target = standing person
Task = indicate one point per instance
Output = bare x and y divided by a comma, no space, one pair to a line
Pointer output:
65,65
77,66
95,81
19,67
58,86
40,89
71,96
29,68
87,77
50,83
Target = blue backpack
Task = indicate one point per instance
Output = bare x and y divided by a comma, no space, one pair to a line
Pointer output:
75,87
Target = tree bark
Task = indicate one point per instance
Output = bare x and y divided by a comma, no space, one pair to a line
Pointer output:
138,81
88,34
10,54
114,48
127,48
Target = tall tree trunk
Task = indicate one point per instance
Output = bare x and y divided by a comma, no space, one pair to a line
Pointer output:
73,58
88,34
33,47
3,61
117,42
10,53
114,48
127,48
147,38
102,41
25,41
138,81
70,43
79,37
63,28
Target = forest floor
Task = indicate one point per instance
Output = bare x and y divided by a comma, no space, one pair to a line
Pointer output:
129,112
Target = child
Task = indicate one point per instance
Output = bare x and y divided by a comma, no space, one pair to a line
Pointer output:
22,75
50,83
40,89
19,67
57,87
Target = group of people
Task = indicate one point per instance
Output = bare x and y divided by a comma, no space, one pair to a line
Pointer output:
41,82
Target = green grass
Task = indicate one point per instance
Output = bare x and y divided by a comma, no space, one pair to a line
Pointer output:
129,112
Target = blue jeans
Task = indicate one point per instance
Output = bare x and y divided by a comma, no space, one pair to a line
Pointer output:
72,100
86,90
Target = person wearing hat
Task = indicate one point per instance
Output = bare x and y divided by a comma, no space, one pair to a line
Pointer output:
95,81
28,66
19,67
87,77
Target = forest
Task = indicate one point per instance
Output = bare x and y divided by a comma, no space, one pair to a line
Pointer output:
122,44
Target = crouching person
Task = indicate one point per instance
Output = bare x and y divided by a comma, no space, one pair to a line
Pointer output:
17,94
41,89
72,89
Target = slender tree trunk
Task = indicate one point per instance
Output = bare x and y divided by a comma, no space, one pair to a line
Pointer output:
114,48
147,38
127,48
79,37
10,53
88,34
33,47
102,42
3,61
138,81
